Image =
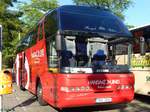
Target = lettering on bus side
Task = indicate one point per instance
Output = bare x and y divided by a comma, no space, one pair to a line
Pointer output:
103,82
38,54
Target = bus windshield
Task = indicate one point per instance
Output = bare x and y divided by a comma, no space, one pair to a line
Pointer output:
92,20
90,54
88,40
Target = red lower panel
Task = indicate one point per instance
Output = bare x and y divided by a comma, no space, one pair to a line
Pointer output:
90,100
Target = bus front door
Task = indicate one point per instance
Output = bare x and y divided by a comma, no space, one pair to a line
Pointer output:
23,73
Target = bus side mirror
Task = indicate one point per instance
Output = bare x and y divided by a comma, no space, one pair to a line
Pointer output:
25,44
142,46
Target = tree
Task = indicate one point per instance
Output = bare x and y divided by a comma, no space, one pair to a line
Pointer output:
17,22
11,25
34,10
116,6
130,26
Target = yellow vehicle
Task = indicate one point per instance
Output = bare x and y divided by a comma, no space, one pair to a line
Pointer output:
5,82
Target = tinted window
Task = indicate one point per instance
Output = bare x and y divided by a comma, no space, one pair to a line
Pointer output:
144,32
40,32
102,22
50,25
23,44
33,38
51,52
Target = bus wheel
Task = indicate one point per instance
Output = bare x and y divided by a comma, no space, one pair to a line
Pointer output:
40,95
22,88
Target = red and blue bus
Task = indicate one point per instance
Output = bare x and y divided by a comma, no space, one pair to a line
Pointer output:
69,58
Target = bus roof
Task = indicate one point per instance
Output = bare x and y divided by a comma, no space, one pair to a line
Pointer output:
140,27
89,19
141,31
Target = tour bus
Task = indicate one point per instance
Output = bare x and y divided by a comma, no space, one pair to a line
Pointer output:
141,63
140,59
69,58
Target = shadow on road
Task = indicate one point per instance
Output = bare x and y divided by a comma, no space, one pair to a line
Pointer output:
25,103
138,108
143,98
141,105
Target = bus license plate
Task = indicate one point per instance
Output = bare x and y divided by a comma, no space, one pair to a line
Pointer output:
103,100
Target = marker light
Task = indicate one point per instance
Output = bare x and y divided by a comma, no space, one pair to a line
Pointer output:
75,89
122,87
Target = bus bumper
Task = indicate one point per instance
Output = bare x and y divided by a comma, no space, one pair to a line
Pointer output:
83,99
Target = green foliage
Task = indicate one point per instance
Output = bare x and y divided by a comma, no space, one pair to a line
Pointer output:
11,25
18,21
117,6
130,26
34,10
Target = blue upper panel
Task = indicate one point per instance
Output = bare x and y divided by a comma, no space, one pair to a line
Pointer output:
90,19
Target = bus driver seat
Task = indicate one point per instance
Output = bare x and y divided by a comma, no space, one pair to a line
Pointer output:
66,55
99,58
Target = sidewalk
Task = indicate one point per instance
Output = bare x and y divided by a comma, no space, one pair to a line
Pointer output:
22,101
15,102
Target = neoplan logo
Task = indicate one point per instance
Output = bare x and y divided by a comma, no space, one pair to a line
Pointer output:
104,82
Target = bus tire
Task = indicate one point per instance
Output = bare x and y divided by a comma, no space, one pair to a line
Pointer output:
40,95
22,88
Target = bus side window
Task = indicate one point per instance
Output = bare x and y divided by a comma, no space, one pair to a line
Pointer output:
50,25
40,33
25,42
53,54
34,37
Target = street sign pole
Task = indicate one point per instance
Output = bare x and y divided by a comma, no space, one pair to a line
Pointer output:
1,96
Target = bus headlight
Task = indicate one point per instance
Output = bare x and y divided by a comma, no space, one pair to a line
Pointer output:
75,89
124,87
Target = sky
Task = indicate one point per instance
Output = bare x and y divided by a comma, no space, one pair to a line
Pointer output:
138,14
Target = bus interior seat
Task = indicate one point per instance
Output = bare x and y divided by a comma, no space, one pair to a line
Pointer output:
81,60
99,57
66,55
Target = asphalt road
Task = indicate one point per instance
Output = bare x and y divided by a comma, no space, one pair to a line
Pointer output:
24,101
